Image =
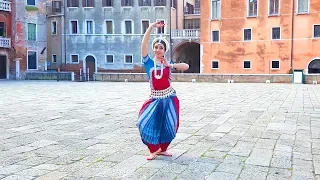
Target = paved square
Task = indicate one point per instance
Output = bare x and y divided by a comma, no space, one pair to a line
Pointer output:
82,130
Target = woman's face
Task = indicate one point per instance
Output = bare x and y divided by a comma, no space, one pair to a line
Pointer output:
158,50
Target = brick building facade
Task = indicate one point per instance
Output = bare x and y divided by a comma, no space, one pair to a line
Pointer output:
260,36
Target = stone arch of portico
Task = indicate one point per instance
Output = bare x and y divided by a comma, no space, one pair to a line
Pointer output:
313,66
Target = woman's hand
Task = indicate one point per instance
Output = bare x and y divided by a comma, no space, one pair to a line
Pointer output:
164,62
158,24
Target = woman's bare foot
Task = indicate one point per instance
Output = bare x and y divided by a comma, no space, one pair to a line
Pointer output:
153,155
164,153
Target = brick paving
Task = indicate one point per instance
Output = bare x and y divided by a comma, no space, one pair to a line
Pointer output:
87,130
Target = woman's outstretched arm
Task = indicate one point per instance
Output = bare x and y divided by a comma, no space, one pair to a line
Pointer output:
144,43
180,66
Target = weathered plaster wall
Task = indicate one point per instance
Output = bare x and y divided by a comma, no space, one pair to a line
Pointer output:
118,44
21,17
231,51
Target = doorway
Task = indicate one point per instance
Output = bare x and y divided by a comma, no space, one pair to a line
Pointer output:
3,67
314,67
190,54
91,65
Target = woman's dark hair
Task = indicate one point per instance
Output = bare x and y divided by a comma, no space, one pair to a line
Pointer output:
162,42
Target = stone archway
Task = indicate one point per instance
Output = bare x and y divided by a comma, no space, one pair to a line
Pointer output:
3,67
314,66
188,52
91,64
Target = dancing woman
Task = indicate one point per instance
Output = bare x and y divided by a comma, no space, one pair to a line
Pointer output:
158,119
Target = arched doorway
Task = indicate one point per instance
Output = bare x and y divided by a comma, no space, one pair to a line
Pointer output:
188,52
3,67
91,64
314,66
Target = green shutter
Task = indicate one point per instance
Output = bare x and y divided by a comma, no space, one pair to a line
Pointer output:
31,32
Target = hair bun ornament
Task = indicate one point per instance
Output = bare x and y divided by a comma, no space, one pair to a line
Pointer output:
159,39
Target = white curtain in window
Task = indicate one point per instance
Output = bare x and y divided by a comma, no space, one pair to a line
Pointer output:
215,9
89,27
303,6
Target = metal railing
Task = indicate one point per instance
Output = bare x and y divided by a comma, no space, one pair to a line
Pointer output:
196,11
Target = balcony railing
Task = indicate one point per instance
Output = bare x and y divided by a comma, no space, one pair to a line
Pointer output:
5,42
196,11
185,34
5,6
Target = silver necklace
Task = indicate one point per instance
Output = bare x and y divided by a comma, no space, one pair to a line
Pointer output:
155,70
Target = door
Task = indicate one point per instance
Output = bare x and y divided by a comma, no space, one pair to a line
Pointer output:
91,64
3,67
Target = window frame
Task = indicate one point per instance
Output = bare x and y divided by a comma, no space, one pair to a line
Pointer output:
37,59
279,32
218,13
271,65
71,59
218,36
217,62
250,34
124,58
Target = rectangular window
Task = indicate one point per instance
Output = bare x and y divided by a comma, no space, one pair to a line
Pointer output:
89,27
215,9
74,27
144,26
215,64
32,60
303,6
189,9
128,59
109,58
192,24
174,4
126,2
275,64
88,3
253,8
316,31
3,29
54,27
74,58
56,6
247,35
144,2
31,2
160,2
128,27
107,3
161,29
54,58
32,29
276,33
246,64
109,27
72,3
274,7
215,36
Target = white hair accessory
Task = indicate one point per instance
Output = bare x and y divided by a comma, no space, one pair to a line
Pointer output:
161,39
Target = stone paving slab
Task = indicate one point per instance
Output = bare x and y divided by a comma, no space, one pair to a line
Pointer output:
87,130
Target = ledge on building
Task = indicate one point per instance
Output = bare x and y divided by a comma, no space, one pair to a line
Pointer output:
213,78
49,75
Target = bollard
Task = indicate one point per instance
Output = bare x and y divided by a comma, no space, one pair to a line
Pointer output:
88,73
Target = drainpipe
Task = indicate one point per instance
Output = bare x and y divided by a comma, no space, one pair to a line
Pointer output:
64,31
170,31
292,27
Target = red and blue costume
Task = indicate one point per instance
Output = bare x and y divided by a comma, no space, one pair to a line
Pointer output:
158,119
